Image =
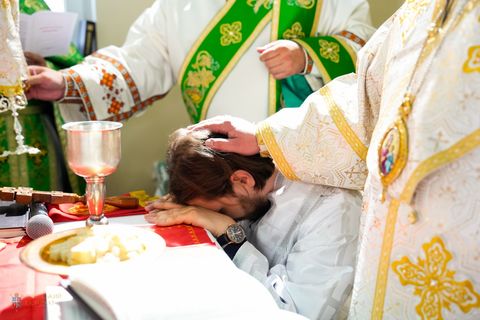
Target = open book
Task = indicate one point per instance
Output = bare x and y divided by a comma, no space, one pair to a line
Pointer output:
184,283
47,33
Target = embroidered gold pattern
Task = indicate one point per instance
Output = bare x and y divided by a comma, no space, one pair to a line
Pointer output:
472,64
341,123
307,4
427,166
5,4
231,33
265,133
294,32
199,80
329,50
434,283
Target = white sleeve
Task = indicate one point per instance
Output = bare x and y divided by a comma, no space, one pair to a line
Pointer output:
317,276
116,82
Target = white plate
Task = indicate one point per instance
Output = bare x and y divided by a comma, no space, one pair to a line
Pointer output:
32,253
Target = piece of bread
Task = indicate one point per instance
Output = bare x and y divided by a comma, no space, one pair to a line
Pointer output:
91,245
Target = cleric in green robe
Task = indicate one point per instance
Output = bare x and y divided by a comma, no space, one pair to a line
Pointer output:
41,124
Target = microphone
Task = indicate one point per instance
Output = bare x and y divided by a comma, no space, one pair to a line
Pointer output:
39,223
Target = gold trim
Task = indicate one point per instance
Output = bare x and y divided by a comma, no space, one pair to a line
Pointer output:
384,263
459,149
268,137
232,63
438,32
349,49
345,129
11,91
318,12
473,55
318,63
456,151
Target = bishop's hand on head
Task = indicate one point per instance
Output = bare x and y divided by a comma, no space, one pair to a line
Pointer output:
241,135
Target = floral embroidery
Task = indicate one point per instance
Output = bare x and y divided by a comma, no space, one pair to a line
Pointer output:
231,33
357,173
472,64
306,4
434,283
295,32
107,79
113,93
329,50
199,79
115,106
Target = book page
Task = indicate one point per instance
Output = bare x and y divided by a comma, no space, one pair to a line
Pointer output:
47,33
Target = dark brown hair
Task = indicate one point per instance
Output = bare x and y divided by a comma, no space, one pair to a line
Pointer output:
198,171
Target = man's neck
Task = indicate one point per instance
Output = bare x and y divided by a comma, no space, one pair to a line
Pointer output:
270,184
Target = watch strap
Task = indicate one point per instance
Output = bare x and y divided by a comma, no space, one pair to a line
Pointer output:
228,246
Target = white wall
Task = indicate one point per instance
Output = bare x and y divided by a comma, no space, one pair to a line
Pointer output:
144,137
382,9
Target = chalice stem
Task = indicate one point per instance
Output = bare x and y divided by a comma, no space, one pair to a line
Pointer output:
95,197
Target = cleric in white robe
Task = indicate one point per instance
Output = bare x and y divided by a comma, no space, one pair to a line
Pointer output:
298,239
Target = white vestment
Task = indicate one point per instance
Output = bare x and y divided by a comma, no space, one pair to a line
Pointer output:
303,250
157,44
419,250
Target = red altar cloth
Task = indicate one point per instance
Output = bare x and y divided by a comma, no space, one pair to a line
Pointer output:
27,286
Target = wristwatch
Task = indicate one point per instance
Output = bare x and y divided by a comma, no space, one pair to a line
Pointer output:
233,235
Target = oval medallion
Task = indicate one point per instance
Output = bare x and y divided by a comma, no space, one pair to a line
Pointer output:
393,152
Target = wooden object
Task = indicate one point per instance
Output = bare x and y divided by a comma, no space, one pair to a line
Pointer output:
25,195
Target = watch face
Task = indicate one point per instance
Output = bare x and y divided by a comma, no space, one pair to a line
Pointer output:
235,233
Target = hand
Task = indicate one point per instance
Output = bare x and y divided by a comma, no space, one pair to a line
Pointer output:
45,84
214,222
240,133
283,58
34,59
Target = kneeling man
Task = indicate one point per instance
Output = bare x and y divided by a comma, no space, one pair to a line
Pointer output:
298,239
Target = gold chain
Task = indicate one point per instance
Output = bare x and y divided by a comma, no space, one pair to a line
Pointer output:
437,31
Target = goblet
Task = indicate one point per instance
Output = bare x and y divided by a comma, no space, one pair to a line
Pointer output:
93,152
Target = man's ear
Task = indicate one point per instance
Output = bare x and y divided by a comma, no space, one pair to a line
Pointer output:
242,178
